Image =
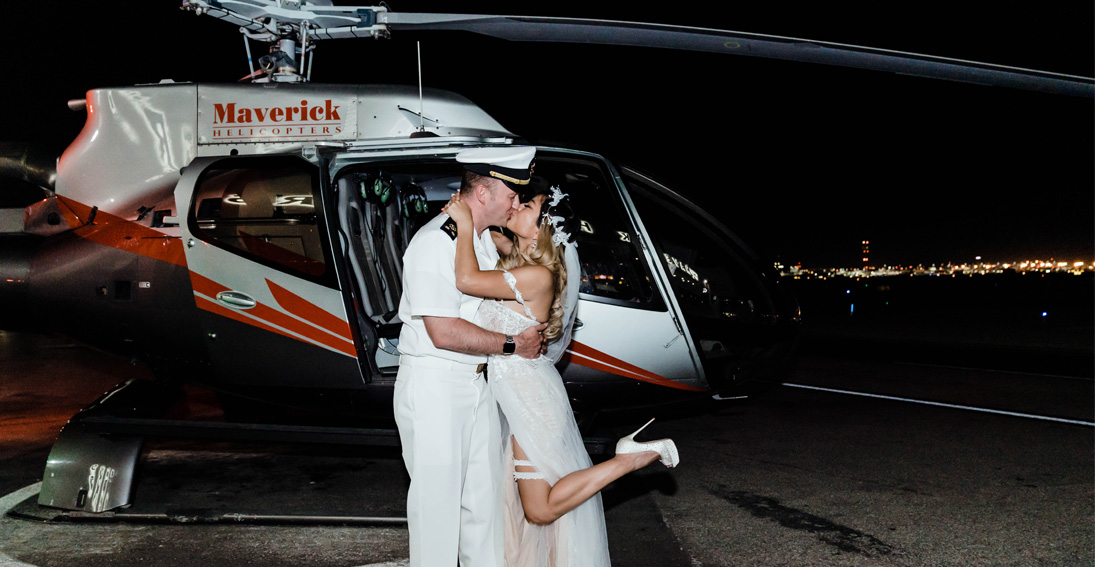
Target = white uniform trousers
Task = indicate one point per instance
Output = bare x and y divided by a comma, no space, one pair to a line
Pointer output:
449,428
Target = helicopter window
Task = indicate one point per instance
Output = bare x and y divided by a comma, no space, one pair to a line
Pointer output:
710,280
612,269
264,209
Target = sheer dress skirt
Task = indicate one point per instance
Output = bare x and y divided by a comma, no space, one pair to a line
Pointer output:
536,411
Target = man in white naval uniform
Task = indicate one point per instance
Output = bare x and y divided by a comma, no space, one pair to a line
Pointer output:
448,420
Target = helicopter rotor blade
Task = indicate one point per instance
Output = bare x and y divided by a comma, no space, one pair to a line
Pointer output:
326,21
610,32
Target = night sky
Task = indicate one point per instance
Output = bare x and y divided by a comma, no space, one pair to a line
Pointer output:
802,161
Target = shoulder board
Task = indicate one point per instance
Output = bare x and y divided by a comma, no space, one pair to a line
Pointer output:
449,228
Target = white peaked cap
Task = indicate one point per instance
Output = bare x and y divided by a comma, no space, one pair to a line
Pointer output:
512,164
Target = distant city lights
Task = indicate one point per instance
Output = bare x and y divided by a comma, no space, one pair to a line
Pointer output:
977,267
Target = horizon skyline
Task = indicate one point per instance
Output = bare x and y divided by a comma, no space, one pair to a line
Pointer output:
1076,267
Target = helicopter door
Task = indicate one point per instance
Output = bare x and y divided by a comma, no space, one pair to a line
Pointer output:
732,310
267,292
626,327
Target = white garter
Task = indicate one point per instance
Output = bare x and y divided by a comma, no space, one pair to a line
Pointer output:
518,475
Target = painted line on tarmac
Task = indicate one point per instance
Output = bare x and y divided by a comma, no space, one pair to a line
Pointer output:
994,371
6,504
941,404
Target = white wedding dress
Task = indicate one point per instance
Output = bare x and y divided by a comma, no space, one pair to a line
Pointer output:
537,412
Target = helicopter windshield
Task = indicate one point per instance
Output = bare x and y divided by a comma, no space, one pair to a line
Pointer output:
710,280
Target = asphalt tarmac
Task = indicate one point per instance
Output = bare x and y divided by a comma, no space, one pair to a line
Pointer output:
998,469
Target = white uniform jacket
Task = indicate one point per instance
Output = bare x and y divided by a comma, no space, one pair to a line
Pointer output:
429,287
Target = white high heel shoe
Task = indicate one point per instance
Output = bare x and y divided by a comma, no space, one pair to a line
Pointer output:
664,447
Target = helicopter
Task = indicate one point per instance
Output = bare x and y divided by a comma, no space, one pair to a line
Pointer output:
248,237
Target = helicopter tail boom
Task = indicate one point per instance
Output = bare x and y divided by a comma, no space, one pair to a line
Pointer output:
28,163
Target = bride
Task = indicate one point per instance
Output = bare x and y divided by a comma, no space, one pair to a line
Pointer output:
553,514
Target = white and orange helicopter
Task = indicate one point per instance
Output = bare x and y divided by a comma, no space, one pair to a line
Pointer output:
248,237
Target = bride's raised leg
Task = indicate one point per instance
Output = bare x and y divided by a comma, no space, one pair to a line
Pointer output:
544,503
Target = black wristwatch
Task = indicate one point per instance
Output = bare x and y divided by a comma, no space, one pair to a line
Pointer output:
510,347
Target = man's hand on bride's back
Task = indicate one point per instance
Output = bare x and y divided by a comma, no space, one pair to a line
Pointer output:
530,344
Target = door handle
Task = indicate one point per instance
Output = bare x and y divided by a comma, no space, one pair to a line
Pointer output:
236,299
578,324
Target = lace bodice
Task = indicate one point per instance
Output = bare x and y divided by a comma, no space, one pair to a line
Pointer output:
495,316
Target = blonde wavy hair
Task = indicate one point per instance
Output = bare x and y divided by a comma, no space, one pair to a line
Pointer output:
552,258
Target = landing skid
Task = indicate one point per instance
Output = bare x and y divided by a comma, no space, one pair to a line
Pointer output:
92,466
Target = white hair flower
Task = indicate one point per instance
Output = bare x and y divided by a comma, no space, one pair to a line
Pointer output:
558,236
556,196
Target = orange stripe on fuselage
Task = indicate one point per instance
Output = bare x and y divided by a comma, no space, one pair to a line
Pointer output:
589,357
204,285
116,232
280,319
264,313
305,309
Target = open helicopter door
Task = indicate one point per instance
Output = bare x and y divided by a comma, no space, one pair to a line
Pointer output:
742,325
266,288
628,325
